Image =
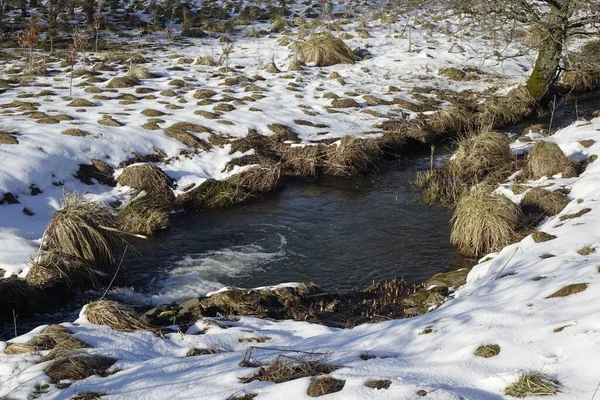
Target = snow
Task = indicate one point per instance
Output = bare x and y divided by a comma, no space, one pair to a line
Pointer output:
501,303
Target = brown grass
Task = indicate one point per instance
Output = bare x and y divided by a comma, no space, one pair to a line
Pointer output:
547,159
479,155
285,369
379,384
115,315
541,237
351,156
78,366
50,339
184,132
8,138
55,269
79,229
258,179
483,222
302,160
324,386
575,215
122,82
152,180
75,132
323,50
487,350
543,202
212,194
569,290
143,216
534,384
137,72
81,103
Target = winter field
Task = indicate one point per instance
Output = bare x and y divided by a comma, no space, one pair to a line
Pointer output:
525,321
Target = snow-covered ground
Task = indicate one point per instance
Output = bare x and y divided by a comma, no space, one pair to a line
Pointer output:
405,55
504,302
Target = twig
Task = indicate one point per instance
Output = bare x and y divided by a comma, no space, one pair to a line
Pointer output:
596,391
506,263
107,228
116,272
15,322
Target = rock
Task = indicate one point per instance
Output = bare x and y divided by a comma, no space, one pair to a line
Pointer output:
452,279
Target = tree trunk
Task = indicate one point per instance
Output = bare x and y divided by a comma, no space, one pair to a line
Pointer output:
545,72
88,6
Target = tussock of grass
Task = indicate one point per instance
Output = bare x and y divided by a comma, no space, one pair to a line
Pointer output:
324,386
302,160
137,72
150,179
258,179
143,217
78,366
541,237
74,132
212,194
569,290
487,350
379,384
8,138
483,222
82,229
479,155
575,215
534,384
351,156
285,369
547,159
81,103
55,269
323,50
107,120
122,82
52,337
440,185
543,202
115,315
184,132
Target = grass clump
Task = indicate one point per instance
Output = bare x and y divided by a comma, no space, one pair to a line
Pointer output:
8,138
569,290
78,366
83,229
150,179
344,103
487,350
258,179
541,237
483,221
351,156
75,132
285,369
480,155
324,386
122,82
55,269
212,194
543,202
115,315
137,72
586,250
323,50
547,159
81,103
141,216
379,384
184,132
534,384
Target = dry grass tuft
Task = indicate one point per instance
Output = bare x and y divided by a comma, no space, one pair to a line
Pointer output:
8,138
75,132
115,315
184,132
487,350
323,50
285,369
547,159
351,156
143,216
535,384
541,237
55,269
122,82
78,366
440,185
136,72
212,194
543,202
152,180
479,155
379,384
52,338
302,160
569,290
83,229
324,386
81,103
258,179
483,222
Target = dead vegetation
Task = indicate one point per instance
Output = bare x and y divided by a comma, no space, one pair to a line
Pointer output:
77,366
212,194
184,132
547,159
533,384
84,230
487,350
483,222
543,202
59,270
288,368
323,50
115,315
324,386
569,290
351,156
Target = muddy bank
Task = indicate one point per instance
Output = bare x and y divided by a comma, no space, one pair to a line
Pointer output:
381,301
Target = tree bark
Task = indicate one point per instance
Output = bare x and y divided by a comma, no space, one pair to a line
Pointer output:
546,70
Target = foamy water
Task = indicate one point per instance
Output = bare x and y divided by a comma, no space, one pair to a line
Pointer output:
198,274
